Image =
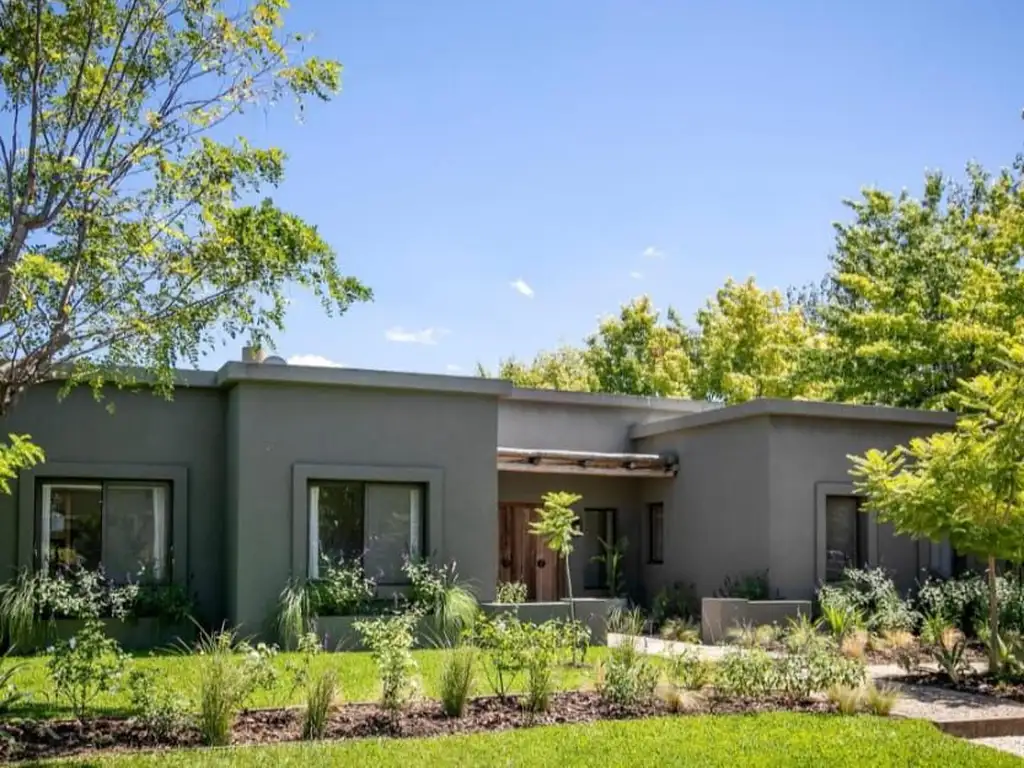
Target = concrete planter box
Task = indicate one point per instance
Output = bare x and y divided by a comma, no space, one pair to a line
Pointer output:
719,614
339,633
592,611
132,634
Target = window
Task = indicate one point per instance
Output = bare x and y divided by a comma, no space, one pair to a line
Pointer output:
376,523
846,536
598,526
122,526
656,533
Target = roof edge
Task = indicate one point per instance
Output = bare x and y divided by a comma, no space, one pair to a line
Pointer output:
798,408
603,399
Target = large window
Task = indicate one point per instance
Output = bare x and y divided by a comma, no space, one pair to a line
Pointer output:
124,527
598,526
846,536
656,533
379,524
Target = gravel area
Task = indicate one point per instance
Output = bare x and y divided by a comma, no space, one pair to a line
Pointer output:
1012,744
943,705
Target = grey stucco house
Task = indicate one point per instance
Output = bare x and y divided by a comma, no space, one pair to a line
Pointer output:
251,471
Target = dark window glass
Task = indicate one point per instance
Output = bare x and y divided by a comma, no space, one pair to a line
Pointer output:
656,533
598,527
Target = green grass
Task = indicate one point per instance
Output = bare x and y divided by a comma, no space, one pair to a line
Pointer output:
356,672
727,741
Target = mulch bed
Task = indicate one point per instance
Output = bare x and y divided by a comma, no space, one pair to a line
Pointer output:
38,739
980,684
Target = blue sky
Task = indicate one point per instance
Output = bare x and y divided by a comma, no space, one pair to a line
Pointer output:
598,150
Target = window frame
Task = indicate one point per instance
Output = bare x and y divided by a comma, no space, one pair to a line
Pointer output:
823,491
656,509
610,534
417,528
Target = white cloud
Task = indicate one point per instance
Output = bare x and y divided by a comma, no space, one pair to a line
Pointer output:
653,252
318,361
523,288
637,275
423,336
453,368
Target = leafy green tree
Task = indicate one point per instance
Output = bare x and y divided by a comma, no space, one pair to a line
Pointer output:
635,354
966,485
564,369
923,293
556,526
130,237
752,343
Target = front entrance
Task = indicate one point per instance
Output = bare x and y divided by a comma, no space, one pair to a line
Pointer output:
524,557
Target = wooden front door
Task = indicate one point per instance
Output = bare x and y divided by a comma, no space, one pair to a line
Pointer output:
524,557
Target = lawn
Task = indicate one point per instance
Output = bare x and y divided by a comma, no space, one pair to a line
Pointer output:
357,672
745,740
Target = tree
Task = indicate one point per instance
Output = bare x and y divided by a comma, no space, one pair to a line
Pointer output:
752,343
634,354
564,369
924,293
966,485
556,526
130,238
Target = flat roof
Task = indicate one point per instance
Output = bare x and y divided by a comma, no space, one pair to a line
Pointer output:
798,408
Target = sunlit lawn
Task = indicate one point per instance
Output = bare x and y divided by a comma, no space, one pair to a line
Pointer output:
725,741
357,673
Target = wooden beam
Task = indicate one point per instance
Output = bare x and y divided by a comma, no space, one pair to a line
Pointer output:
570,469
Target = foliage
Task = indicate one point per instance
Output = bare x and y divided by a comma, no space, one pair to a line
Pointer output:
689,671
680,630
321,694
627,678
677,600
161,709
925,293
749,586
755,674
10,693
342,589
85,665
390,642
545,643
751,344
964,485
841,619
565,368
126,242
963,601
626,621
848,699
296,612
880,699
745,674
803,634
556,525
612,554
873,594
456,679
504,642
854,644
436,592
510,592
949,652
231,671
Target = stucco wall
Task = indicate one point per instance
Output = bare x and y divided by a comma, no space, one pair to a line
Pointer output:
621,493
805,452
187,432
716,509
281,426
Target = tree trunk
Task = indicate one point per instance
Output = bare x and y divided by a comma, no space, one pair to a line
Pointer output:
993,618
572,604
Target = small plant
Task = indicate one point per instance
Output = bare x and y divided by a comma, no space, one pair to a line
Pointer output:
9,692
390,642
933,627
894,639
751,586
504,642
802,634
556,525
456,682
626,621
678,600
873,594
160,709
511,592
230,672
680,630
627,678
85,665
540,664
767,635
841,619
296,611
689,671
908,658
574,636
880,700
18,609
854,645
435,591
747,674
321,693
612,554
848,699
950,654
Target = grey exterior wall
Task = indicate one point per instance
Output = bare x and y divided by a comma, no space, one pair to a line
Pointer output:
282,426
187,434
716,521
617,493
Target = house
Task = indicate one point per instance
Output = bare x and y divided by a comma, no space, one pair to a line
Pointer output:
238,483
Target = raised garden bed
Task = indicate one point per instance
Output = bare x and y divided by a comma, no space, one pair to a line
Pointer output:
132,634
35,740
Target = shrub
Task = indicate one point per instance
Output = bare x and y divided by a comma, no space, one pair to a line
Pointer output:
872,594
627,678
750,586
435,591
543,646
803,635
321,693
626,622
390,642
230,672
160,709
949,653
85,665
963,601
456,682
746,674
504,642
680,630
841,619
880,700
689,671
510,592
9,692
342,589
678,600
573,637
296,612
